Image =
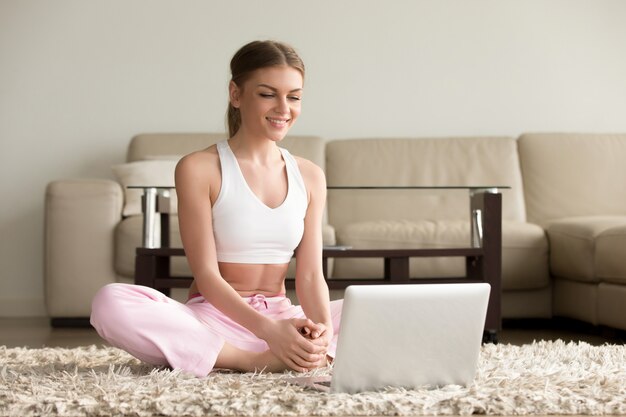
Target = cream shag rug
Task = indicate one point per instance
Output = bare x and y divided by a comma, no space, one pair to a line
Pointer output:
540,378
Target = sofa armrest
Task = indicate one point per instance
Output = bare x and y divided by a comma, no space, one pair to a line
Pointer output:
80,219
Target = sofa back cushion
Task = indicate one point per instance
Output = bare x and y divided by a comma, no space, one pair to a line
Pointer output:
175,145
567,175
152,158
466,161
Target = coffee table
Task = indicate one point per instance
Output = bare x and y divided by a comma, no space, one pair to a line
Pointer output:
483,254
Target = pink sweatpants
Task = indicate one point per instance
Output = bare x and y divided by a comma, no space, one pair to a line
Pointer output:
161,331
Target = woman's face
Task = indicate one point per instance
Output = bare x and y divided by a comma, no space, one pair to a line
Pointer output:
269,101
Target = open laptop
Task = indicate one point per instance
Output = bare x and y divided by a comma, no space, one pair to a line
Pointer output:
406,336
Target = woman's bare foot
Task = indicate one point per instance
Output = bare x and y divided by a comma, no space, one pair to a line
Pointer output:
267,362
237,359
231,357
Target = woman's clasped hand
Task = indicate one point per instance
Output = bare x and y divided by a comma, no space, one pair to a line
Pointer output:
299,343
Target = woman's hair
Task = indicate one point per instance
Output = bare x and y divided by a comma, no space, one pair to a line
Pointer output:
251,57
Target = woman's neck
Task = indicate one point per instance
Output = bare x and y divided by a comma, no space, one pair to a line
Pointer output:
259,150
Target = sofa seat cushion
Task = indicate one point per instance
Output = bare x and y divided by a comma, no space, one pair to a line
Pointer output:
525,253
573,245
128,237
610,259
524,260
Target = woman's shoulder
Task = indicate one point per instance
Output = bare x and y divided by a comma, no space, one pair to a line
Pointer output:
311,173
200,158
307,165
199,164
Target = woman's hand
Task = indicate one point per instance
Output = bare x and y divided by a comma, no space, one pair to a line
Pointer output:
296,350
320,335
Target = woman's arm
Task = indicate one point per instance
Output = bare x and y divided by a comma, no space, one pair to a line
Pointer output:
193,189
311,288
194,177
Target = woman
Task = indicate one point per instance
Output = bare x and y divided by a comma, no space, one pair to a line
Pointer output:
245,207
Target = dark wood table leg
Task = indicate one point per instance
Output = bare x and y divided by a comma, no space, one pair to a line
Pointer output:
165,230
150,267
145,270
490,266
397,270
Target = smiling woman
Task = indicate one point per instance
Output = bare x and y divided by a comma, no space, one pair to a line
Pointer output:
269,56
245,208
271,97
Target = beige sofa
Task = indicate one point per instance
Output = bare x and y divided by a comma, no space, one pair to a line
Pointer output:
575,188
570,186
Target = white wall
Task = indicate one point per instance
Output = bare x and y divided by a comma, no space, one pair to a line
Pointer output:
79,78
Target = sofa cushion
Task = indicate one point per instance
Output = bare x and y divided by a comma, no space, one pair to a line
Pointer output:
152,145
568,175
465,161
611,305
153,172
128,238
525,253
577,300
573,245
152,158
524,256
610,259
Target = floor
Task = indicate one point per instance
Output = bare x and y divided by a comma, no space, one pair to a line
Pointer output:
36,332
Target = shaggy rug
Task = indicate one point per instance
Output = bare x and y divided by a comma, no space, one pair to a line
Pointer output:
539,378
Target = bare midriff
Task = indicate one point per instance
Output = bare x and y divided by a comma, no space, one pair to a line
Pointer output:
251,279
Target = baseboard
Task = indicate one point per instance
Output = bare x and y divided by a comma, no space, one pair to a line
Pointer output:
22,307
70,322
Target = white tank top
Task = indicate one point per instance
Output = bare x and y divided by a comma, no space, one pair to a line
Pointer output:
248,231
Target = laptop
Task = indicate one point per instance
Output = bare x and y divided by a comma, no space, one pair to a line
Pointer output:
406,336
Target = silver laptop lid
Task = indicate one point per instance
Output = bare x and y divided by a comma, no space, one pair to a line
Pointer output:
409,335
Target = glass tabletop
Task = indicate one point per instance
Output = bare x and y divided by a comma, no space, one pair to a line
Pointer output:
372,187
143,187
417,187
